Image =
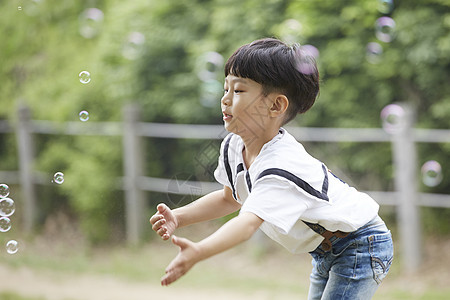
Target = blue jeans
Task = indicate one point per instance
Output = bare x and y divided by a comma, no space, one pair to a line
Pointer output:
355,266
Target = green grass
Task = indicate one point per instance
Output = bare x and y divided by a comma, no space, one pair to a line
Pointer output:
247,268
14,296
405,295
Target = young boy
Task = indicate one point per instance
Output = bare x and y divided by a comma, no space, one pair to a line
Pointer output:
278,186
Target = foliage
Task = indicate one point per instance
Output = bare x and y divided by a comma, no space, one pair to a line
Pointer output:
43,51
14,296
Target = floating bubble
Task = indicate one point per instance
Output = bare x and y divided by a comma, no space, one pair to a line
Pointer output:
431,173
85,77
90,22
210,93
58,178
209,65
83,115
19,8
374,52
4,190
12,247
393,118
385,29
32,8
290,31
7,207
306,57
5,224
385,6
133,46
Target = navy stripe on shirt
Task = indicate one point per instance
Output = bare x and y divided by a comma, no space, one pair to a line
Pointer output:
249,183
239,168
227,165
325,180
300,182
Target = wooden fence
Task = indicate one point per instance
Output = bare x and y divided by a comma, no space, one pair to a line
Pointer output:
405,198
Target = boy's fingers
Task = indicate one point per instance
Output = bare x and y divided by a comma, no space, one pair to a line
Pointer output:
155,218
161,231
170,277
165,280
180,242
157,225
158,220
161,208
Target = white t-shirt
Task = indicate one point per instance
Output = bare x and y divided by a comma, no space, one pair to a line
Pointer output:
285,186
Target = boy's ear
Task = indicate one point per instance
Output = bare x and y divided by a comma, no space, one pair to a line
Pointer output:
279,105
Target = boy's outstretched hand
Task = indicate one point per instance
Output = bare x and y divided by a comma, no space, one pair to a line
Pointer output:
164,222
188,256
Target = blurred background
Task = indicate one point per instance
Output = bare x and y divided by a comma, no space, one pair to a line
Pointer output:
102,111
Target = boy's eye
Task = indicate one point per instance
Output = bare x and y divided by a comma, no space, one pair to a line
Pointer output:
238,91
225,91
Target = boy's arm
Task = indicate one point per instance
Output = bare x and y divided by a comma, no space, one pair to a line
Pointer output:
211,206
234,232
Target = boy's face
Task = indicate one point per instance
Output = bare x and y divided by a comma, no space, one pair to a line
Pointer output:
245,109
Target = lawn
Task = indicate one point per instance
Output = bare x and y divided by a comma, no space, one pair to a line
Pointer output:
258,268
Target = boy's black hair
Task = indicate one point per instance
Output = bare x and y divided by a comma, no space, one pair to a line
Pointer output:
278,68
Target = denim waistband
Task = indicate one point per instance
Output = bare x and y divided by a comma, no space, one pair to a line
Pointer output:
376,224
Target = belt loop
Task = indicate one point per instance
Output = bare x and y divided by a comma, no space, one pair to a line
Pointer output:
326,243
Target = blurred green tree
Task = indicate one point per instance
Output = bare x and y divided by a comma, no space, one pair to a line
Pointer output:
168,57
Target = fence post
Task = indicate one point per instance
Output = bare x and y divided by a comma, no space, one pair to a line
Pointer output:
25,148
133,165
408,217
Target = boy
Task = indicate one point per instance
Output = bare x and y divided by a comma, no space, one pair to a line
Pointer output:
278,186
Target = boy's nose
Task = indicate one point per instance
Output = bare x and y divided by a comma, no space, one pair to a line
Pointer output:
226,100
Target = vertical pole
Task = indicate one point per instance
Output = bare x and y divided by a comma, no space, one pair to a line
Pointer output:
133,163
408,217
26,153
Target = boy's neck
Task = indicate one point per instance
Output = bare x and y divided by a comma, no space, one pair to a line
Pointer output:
253,146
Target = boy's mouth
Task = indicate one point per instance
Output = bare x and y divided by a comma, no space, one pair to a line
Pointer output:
226,117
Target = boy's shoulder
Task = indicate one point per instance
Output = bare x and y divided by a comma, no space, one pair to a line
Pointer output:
231,140
288,153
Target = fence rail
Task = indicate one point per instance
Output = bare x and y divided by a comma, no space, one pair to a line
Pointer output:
190,131
405,198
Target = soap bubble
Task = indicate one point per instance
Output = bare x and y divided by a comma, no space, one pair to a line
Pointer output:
374,51
4,190
385,29
32,8
90,22
385,6
83,115
58,178
431,173
19,8
290,31
85,77
210,93
7,207
133,46
209,65
393,118
12,247
5,224
306,57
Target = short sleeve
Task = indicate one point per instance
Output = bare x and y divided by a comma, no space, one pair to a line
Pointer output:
220,174
276,202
